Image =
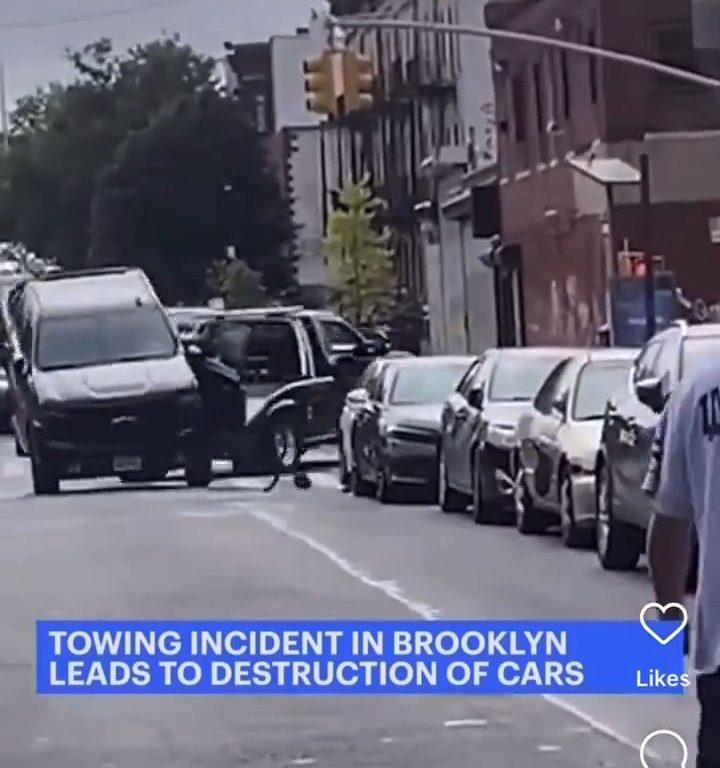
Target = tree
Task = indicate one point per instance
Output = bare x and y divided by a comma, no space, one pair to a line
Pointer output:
63,137
184,189
358,255
237,284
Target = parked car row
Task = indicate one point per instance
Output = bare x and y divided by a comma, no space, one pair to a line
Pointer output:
542,438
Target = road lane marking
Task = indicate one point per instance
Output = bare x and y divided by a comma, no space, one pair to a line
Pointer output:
392,590
465,723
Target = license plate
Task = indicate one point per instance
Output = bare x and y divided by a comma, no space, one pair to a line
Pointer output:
127,464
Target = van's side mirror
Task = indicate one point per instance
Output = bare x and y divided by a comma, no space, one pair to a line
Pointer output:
650,393
476,397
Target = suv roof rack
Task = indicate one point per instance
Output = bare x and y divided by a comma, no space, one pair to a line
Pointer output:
97,272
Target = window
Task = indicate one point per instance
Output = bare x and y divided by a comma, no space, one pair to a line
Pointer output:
596,383
339,334
593,70
540,111
546,395
260,113
565,84
268,354
111,337
644,363
518,378
468,380
519,107
665,365
426,384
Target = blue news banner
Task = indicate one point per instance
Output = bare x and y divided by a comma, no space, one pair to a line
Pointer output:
358,658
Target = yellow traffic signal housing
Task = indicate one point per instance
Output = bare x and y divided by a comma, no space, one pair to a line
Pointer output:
359,81
320,89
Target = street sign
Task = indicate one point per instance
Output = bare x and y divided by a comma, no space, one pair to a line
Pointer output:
627,307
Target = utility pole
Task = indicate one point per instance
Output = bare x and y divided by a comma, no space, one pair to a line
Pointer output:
4,123
649,258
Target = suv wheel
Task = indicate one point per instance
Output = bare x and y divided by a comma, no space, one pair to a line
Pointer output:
619,545
45,479
572,536
285,443
198,468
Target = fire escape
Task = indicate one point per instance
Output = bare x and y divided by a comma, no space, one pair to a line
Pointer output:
415,90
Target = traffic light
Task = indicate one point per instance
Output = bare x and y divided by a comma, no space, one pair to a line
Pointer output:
320,87
358,81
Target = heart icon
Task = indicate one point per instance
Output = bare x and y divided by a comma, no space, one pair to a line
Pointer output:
664,609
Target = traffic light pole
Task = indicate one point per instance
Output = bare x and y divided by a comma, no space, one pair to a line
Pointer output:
378,22
649,258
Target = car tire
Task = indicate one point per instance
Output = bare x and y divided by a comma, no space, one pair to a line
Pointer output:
529,520
573,537
198,469
386,491
45,479
285,444
618,545
449,500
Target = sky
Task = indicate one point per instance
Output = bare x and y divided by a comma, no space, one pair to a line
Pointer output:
34,33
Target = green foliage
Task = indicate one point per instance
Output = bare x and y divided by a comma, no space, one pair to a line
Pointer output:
184,189
237,284
62,137
359,257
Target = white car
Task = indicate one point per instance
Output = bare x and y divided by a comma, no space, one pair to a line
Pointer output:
354,400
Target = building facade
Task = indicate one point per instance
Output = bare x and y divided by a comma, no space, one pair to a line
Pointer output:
571,132
268,78
431,124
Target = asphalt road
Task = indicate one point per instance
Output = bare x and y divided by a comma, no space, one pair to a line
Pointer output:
103,551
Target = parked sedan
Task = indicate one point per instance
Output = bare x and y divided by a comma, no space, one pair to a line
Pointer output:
479,422
354,402
623,509
398,429
560,442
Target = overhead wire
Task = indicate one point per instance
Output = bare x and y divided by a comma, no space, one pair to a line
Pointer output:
24,24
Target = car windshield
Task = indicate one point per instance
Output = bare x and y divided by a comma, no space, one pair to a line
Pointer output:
697,349
111,337
518,378
596,383
418,385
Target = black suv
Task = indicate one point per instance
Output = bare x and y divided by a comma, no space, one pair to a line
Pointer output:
285,345
99,383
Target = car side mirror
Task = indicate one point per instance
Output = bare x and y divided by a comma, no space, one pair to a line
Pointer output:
559,405
650,393
476,397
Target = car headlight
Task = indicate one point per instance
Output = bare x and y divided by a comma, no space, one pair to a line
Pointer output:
502,435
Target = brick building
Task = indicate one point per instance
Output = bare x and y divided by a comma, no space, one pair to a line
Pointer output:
571,130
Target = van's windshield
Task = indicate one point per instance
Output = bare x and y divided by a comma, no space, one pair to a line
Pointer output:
117,336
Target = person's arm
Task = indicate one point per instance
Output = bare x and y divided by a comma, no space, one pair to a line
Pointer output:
670,529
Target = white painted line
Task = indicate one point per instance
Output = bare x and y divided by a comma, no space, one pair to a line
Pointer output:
205,514
389,588
304,761
395,592
387,740
549,748
465,723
